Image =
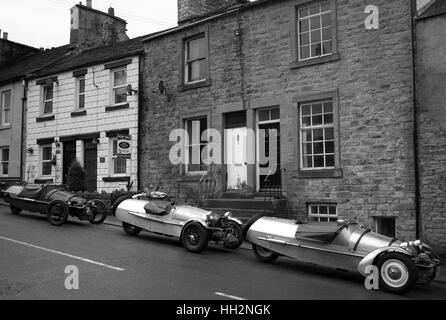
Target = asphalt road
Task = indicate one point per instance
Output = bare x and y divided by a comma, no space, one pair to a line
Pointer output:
112,265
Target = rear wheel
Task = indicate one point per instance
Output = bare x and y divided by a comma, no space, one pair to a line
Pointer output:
130,229
118,202
194,237
99,211
15,210
264,254
57,213
397,273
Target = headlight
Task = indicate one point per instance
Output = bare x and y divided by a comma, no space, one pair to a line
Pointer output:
213,217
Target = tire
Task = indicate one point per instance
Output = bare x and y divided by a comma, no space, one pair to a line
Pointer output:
403,269
194,237
57,213
264,254
15,210
130,229
237,232
100,212
118,202
250,223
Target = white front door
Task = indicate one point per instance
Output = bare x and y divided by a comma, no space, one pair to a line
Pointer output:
236,159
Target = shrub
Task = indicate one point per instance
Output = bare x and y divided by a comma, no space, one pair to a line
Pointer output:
76,177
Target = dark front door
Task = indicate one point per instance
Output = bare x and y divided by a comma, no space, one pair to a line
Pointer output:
274,179
91,165
69,155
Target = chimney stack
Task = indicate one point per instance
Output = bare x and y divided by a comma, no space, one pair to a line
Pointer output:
90,3
111,11
5,36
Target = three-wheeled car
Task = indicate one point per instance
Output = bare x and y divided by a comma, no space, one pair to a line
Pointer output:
345,246
157,213
55,202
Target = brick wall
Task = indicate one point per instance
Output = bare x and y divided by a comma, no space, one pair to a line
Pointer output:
431,88
252,69
97,120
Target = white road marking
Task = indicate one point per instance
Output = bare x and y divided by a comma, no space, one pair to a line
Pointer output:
229,296
62,254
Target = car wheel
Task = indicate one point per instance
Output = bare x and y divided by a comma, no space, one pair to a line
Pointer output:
15,210
264,254
397,273
130,229
57,213
236,231
194,237
251,222
99,211
118,202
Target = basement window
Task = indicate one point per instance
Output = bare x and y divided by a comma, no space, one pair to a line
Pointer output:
323,212
385,226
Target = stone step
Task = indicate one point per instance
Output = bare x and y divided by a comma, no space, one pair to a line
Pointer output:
245,204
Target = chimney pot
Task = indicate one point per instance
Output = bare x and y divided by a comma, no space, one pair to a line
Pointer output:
111,11
90,3
5,35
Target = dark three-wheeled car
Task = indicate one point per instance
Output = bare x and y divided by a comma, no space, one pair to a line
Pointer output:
55,202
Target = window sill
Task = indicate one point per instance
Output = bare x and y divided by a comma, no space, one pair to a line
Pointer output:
320,174
117,107
310,62
196,85
45,118
78,113
116,179
5,126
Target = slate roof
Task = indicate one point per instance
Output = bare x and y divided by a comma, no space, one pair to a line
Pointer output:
436,9
64,58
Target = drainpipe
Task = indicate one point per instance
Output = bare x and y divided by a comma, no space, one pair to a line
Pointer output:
418,221
140,106
22,133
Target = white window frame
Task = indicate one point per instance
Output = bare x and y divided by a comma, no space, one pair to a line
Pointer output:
113,88
187,61
2,160
318,216
44,101
3,106
311,128
42,147
112,159
299,32
78,93
189,143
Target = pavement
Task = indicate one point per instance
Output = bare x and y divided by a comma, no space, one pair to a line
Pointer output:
34,257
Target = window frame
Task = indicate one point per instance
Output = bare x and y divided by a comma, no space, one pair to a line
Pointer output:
331,172
188,61
296,62
317,217
112,159
378,220
42,161
113,88
2,102
201,31
44,88
188,144
2,161
79,93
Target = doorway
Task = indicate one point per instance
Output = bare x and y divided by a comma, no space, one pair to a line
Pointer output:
91,165
269,174
69,156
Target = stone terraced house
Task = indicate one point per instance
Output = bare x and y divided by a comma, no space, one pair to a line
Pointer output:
340,96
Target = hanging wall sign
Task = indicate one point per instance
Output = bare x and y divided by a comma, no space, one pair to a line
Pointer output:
124,146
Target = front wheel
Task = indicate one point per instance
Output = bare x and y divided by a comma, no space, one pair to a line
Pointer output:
15,210
264,254
57,213
130,229
194,237
99,212
397,273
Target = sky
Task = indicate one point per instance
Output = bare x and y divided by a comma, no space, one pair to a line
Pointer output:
46,23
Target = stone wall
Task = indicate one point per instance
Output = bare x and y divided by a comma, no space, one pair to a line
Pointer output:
250,55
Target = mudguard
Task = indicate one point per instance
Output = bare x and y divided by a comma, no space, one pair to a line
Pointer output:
369,259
